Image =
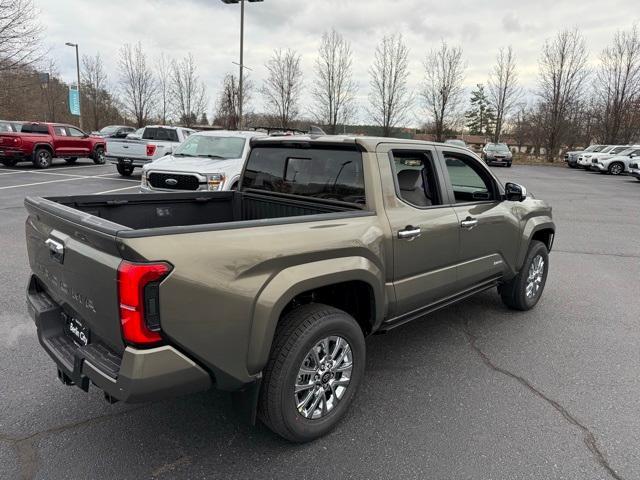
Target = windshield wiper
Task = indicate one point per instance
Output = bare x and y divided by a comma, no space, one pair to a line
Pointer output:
210,156
182,155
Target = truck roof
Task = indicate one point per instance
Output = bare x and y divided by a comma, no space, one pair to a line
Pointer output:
231,133
369,142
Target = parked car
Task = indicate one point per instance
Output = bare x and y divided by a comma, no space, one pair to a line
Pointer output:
572,157
497,154
205,161
40,143
455,141
584,159
598,156
270,290
8,126
634,169
156,141
618,163
115,131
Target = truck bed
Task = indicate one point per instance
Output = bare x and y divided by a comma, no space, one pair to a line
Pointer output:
170,213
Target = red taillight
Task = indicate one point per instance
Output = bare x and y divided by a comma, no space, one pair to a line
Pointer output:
17,141
151,149
136,305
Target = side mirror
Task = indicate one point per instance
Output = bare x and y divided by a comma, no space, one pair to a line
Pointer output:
514,192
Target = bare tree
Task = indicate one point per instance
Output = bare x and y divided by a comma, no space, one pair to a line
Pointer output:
390,98
20,34
227,105
333,89
618,86
283,86
138,84
164,82
561,79
188,93
442,90
504,91
94,89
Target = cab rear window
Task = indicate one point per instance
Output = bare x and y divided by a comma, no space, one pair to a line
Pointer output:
323,173
161,134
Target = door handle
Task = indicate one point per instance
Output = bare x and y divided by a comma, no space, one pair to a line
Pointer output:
469,223
409,233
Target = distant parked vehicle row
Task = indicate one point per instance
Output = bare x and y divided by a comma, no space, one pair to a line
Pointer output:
611,159
114,131
144,146
40,143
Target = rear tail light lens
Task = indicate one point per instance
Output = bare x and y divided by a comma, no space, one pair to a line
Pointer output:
138,291
151,149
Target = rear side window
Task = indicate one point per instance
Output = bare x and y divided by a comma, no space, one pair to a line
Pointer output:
161,134
34,128
326,173
416,178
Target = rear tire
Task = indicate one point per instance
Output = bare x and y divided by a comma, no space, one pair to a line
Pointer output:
42,158
98,156
71,161
320,348
524,290
124,170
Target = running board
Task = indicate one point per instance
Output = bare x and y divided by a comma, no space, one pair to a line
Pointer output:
421,312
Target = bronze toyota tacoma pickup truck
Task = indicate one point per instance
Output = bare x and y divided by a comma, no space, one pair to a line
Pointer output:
270,290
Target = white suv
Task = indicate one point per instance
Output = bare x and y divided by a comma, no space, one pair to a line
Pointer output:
208,161
617,164
586,159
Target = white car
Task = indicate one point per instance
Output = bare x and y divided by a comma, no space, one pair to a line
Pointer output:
143,147
206,161
586,159
619,163
634,168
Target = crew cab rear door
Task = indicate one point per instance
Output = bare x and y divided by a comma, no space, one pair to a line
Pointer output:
424,227
489,232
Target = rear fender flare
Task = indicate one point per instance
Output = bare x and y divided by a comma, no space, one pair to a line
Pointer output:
292,281
48,146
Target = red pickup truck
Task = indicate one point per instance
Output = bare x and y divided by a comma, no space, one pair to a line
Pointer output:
40,143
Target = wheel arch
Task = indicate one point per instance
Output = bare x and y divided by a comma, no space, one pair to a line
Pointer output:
356,276
540,228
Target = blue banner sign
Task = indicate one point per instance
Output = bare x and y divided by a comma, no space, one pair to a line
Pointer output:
74,101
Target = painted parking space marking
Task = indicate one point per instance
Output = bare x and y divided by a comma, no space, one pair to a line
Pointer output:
116,190
97,177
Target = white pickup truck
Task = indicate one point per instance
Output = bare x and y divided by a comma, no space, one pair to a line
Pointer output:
207,161
155,142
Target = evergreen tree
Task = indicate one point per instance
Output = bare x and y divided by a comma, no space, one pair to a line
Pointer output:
203,119
481,118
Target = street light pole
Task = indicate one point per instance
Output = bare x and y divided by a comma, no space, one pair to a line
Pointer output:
69,44
242,67
240,81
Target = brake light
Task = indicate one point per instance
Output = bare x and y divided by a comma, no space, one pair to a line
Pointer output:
151,149
138,292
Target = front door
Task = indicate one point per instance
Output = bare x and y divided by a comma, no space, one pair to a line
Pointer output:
489,232
81,144
424,228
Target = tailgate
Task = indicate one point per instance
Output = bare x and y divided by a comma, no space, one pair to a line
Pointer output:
127,149
77,267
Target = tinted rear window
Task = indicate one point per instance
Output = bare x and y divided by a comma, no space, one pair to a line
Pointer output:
164,134
32,128
310,172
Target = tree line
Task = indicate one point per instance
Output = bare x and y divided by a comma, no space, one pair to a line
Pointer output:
571,104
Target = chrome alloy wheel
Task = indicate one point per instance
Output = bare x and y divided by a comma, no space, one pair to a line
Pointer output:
323,377
616,169
536,274
44,158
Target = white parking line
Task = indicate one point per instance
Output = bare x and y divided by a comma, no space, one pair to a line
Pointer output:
116,190
13,172
79,177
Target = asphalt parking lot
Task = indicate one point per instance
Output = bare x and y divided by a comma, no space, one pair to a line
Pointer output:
472,392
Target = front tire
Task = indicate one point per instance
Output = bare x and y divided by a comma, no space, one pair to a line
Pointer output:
524,290
316,364
124,170
42,158
98,156
616,168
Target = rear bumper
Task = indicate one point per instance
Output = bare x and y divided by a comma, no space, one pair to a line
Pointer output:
127,161
134,376
16,155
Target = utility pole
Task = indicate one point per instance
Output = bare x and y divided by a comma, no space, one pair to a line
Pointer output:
69,44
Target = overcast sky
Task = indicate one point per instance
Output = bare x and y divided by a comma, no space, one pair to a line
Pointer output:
210,30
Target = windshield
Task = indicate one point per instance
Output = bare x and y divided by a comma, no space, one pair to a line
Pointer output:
108,130
210,146
618,150
497,147
606,149
599,148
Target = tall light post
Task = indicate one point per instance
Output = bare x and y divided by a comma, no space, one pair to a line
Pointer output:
240,79
69,44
